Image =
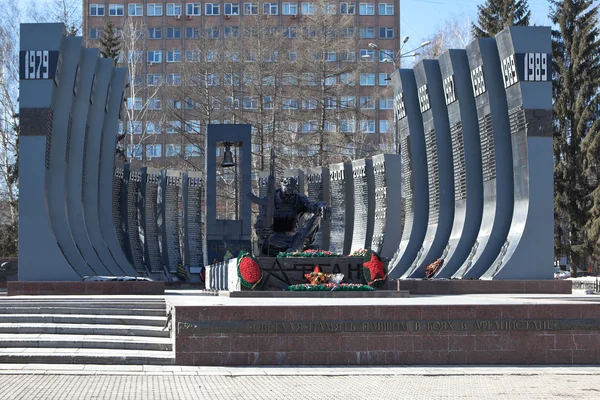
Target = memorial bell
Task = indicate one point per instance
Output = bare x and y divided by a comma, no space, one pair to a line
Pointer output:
228,156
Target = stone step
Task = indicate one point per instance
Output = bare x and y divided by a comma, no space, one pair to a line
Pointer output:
32,340
85,356
75,303
83,319
158,312
84,329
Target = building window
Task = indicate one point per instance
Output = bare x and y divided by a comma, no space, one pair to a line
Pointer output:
310,104
289,104
154,79
367,55
174,9
348,56
134,151
331,56
268,102
154,104
192,33
232,9
135,127
330,81
135,10
231,31
367,79
173,79
347,79
386,8
308,8
173,33
367,103
153,150
250,9
347,126
192,126
211,55
386,33
135,56
232,103
347,8
116,10
290,32
367,32
289,8
134,103
173,126
155,9
367,126
96,33
386,103
192,8
192,55
384,126
231,79
270,8
174,56
367,9
154,33
309,126
153,128
175,105
154,56
250,102
212,9
347,102
96,10
330,126
192,150
383,79
212,32
330,103
386,56
173,150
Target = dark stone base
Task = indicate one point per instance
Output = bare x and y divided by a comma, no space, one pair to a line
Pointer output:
19,288
283,272
387,334
457,286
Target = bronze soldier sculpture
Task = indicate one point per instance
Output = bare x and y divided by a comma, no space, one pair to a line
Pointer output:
281,212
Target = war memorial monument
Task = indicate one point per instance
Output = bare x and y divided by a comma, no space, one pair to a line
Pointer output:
465,207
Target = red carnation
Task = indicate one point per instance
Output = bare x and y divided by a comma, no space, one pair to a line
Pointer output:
249,270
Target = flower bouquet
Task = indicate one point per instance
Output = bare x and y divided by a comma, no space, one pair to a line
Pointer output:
309,253
249,271
359,253
329,287
433,268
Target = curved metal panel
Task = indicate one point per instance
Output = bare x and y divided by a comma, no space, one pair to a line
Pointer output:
40,257
364,203
525,56
496,157
415,196
466,153
168,219
62,130
147,201
191,221
342,207
133,181
76,151
440,170
92,148
106,169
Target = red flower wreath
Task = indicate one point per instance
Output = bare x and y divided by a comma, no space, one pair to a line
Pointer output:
374,271
248,270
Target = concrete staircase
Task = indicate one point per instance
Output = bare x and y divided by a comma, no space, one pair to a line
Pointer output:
85,331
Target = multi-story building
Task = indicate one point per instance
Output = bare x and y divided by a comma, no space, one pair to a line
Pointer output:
172,33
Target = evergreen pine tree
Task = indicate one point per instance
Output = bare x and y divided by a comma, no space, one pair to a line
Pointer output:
576,65
110,43
496,15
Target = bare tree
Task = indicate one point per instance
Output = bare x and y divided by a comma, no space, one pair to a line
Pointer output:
454,34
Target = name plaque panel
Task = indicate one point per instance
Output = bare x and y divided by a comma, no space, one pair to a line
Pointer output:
118,186
364,203
317,186
149,231
168,219
382,326
387,229
134,181
342,208
191,201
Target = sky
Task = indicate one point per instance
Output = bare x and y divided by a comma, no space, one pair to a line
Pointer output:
420,18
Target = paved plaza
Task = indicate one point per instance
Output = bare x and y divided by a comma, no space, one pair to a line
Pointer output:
78,382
